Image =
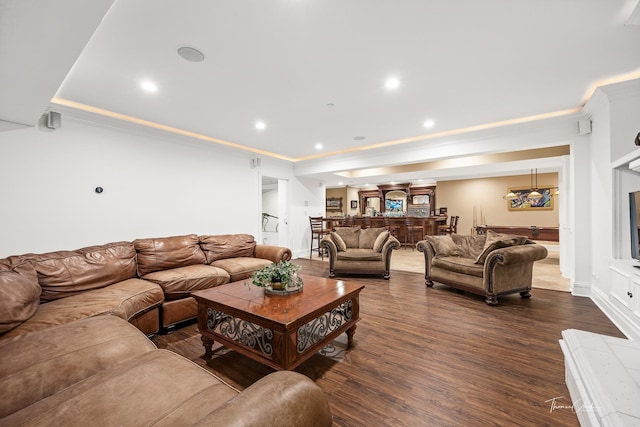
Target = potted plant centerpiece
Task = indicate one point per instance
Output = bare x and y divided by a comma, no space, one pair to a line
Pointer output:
278,277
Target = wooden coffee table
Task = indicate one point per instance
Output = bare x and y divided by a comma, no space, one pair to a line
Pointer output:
278,331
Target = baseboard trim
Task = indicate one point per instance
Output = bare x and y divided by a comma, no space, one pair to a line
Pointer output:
627,326
581,289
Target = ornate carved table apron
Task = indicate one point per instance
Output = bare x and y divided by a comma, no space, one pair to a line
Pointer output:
278,331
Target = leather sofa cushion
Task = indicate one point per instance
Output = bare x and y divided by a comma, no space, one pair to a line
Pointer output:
32,365
496,241
459,265
350,236
443,245
19,296
357,254
380,241
227,246
340,244
469,245
14,260
124,299
296,401
368,237
178,310
65,273
241,267
157,388
167,252
180,282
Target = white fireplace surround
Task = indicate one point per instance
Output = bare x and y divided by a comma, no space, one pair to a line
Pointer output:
603,378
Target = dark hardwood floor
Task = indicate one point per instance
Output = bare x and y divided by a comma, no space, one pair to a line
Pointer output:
433,356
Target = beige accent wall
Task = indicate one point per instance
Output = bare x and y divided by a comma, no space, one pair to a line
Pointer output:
483,197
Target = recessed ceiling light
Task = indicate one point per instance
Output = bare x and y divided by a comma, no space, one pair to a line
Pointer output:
260,125
149,86
318,146
429,123
340,183
190,54
392,83
330,105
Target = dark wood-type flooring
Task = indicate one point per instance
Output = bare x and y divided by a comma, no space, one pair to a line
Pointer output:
434,356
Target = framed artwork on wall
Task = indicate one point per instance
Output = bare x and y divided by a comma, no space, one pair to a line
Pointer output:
334,203
523,203
354,204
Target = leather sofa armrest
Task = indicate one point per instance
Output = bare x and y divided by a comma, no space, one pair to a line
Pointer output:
272,253
387,249
328,243
520,254
391,244
429,254
283,398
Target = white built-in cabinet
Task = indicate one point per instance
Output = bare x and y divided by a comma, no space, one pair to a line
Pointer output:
620,300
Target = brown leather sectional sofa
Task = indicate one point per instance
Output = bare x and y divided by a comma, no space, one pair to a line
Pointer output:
147,282
102,371
70,354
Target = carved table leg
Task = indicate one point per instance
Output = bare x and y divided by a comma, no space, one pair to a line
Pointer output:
525,294
208,344
350,332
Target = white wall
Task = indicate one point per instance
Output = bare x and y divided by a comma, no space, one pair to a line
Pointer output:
308,199
615,113
154,185
600,187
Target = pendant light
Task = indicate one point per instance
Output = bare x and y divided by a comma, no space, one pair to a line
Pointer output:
510,196
534,196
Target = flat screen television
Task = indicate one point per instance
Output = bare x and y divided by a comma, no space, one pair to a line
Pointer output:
634,222
393,205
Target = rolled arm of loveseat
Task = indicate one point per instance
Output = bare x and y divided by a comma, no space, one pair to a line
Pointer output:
429,253
328,244
272,253
282,398
510,269
520,254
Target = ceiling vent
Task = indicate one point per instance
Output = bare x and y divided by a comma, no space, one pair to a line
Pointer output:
190,54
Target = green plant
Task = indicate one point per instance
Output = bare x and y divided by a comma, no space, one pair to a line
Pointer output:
284,272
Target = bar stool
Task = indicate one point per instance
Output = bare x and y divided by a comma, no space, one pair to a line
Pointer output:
414,231
317,233
392,228
452,228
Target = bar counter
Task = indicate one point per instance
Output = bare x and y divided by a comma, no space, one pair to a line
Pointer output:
395,224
